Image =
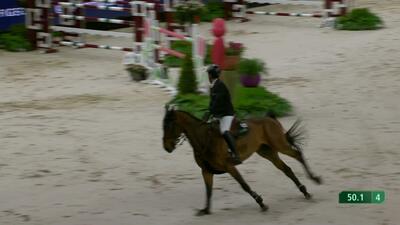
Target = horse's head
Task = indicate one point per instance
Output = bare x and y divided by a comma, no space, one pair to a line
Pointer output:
172,131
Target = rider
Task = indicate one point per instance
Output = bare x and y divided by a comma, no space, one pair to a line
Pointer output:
221,108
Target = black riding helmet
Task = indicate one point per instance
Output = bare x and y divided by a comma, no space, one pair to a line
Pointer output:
214,71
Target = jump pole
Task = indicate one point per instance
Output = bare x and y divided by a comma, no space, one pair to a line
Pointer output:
239,10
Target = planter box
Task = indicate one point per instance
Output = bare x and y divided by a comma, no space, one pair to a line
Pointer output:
137,72
231,62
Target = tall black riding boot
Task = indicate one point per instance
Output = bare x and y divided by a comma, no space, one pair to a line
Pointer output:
231,144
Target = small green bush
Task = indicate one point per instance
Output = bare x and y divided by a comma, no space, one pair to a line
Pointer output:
14,43
359,19
19,30
251,67
15,40
214,9
186,10
249,102
187,80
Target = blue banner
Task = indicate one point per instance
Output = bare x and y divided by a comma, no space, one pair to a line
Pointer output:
10,14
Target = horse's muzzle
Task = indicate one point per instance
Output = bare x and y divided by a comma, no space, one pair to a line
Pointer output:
169,146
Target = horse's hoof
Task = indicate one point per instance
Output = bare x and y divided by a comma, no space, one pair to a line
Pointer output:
264,208
317,180
203,212
308,196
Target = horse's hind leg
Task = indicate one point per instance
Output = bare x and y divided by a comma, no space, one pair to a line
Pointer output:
273,156
298,155
235,174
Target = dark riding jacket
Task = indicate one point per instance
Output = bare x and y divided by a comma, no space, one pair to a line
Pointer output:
220,100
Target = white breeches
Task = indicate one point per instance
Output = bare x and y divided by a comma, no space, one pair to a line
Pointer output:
225,123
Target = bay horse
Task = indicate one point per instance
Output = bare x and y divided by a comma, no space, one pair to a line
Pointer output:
266,136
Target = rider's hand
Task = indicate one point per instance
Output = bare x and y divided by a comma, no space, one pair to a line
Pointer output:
206,116
211,118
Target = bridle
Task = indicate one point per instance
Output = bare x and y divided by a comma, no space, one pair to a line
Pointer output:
181,139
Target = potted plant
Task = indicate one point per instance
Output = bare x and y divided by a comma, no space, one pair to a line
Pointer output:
137,72
232,55
250,71
189,11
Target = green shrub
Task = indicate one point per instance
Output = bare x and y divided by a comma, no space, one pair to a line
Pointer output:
359,19
249,102
57,34
14,43
213,9
19,30
251,67
15,40
187,80
186,10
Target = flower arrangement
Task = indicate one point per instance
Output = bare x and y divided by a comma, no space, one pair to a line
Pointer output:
232,55
187,11
234,49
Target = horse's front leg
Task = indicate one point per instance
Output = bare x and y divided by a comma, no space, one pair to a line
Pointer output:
208,180
235,174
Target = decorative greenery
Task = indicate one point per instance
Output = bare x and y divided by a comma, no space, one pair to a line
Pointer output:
187,79
195,104
186,10
359,19
251,67
257,101
250,102
16,40
56,34
214,9
234,49
186,48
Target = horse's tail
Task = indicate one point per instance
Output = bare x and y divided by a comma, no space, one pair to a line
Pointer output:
296,135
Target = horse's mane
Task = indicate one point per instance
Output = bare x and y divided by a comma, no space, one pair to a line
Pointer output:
169,115
190,115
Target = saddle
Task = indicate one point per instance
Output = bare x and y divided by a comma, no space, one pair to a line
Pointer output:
239,128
